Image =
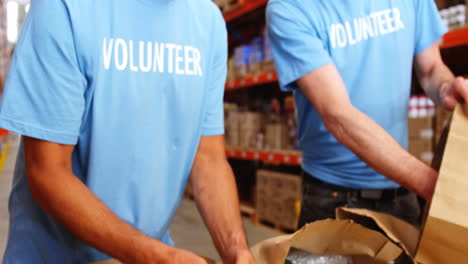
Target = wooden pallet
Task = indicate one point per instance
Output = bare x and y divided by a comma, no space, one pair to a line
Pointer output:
276,227
248,211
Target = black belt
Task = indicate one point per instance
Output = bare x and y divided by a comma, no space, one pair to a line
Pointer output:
370,194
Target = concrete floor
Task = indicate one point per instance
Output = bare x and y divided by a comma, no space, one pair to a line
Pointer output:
5,186
187,229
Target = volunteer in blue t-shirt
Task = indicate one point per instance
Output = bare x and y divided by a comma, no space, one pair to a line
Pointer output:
349,64
120,103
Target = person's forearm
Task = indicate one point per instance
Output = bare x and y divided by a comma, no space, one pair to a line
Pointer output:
380,151
217,200
436,82
70,202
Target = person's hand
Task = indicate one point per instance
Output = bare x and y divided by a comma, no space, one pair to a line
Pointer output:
240,256
457,92
180,256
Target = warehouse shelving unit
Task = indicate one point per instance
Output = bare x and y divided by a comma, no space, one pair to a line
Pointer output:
257,79
455,38
244,8
289,158
454,49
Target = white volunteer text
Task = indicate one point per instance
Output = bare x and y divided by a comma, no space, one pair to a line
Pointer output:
151,57
360,29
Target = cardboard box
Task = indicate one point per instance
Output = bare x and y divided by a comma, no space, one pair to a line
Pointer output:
421,138
251,125
276,136
422,149
278,198
232,126
268,66
420,128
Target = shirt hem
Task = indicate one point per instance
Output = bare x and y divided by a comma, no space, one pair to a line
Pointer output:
287,82
425,45
35,132
212,132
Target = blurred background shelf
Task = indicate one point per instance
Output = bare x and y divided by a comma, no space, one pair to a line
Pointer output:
289,157
257,79
244,7
455,38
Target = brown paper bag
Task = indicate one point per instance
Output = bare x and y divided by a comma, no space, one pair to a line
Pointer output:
400,232
330,237
445,235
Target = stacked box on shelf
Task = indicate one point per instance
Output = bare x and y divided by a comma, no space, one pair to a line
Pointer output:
420,128
251,125
278,198
232,127
453,13
277,136
268,64
251,59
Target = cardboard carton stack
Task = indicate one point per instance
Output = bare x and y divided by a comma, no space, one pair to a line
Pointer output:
251,125
232,127
278,198
277,136
453,13
420,128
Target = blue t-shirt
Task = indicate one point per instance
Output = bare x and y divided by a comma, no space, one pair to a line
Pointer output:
372,44
134,84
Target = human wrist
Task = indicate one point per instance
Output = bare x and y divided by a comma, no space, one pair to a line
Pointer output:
149,250
427,182
235,253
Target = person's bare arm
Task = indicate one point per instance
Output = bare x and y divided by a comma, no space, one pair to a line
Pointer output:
438,81
326,91
217,200
61,194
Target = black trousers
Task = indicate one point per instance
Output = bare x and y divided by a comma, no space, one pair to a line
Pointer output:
321,199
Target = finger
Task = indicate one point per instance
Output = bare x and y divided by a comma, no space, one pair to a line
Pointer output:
450,102
461,89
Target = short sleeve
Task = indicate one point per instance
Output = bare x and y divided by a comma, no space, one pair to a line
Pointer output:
296,46
213,122
44,93
429,26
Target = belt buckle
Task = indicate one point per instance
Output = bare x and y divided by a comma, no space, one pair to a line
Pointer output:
372,194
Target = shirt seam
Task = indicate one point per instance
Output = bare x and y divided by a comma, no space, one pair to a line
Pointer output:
61,134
